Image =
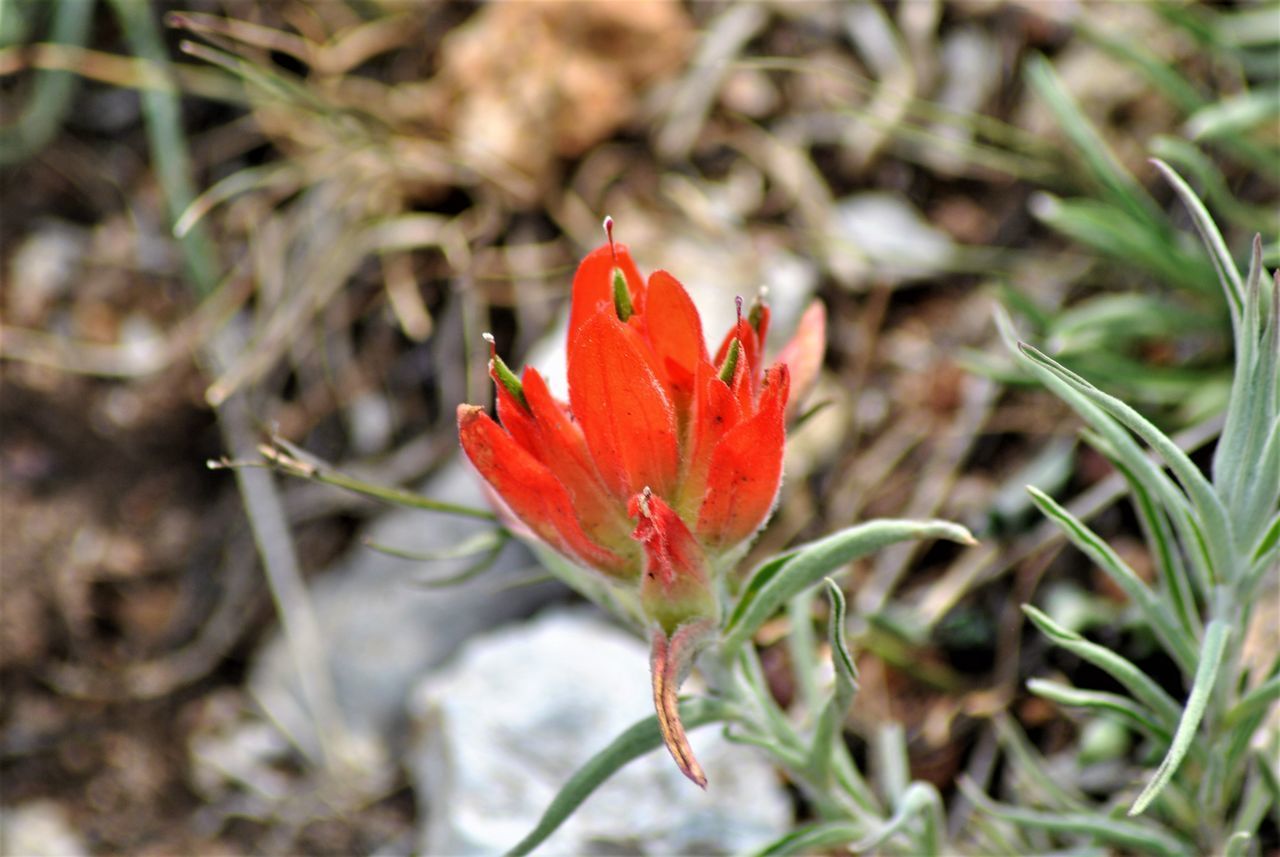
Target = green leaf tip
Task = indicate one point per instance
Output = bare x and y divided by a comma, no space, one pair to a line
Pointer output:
502,373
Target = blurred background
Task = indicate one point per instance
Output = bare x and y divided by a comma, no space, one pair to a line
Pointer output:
231,222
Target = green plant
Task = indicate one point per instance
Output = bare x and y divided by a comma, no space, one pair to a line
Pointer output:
1215,543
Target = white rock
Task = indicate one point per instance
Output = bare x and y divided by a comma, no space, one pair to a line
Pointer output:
38,829
382,630
505,726
883,235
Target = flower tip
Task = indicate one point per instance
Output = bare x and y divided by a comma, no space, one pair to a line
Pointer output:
608,233
467,414
639,504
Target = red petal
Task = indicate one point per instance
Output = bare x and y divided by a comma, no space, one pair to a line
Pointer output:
675,334
515,418
530,489
746,469
563,449
803,354
626,416
676,588
672,554
593,284
715,411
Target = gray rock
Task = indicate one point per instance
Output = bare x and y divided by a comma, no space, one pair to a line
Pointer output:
885,236
500,730
382,629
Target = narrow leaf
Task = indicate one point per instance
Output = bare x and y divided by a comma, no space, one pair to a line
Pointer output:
1256,700
919,799
1126,449
641,738
1162,706
1032,772
1101,162
774,583
813,839
1212,238
1110,703
826,733
1216,526
1171,634
1138,837
1216,635
1238,844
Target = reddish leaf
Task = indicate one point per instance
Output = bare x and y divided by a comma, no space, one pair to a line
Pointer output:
669,664
676,587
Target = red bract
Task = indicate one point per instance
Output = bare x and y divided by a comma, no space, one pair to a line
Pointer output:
664,460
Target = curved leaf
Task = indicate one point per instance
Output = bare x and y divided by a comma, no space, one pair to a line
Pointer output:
639,739
778,580
813,839
1136,836
1138,683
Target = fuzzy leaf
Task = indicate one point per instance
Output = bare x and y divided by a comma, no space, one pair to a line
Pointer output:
813,839
1216,635
1171,634
1137,682
775,582
1209,509
1134,836
644,737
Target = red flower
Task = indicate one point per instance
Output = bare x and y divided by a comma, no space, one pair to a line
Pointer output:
655,431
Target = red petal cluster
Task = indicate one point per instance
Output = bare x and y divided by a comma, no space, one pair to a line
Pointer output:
648,409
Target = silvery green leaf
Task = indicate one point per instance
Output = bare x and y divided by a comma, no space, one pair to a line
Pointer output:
642,738
918,800
827,732
1210,513
1162,706
813,838
1212,238
1212,650
1124,449
1173,636
778,580
1108,703
1132,835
